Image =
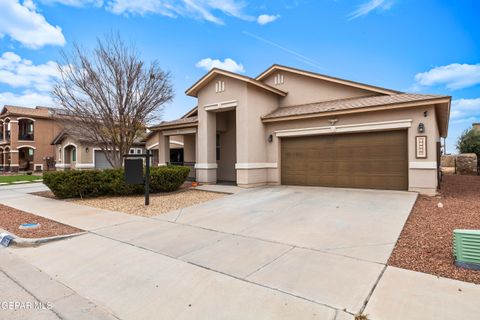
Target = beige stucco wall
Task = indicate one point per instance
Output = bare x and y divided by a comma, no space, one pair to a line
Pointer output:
84,158
258,161
424,180
302,89
235,90
226,127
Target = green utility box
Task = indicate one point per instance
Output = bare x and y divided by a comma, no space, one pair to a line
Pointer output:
466,248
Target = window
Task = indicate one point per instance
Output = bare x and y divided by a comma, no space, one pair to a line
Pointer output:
218,146
131,151
74,154
139,151
219,86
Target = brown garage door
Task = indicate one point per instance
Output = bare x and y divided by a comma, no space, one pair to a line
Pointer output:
373,160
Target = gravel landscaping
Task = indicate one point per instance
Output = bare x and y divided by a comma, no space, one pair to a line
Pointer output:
11,219
159,203
425,243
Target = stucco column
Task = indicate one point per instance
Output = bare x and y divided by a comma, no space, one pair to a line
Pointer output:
189,152
189,148
163,149
206,166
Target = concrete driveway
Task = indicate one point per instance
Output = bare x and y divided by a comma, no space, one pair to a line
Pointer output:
266,253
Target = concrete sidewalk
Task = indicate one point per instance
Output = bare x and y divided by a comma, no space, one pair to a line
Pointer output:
42,296
267,253
79,216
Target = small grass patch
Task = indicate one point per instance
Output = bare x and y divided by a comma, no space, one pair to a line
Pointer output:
20,177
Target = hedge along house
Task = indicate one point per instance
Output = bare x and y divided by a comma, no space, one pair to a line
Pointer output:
295,127
74,151
25,136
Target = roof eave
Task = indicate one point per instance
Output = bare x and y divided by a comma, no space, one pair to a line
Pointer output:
193,90
174,126
357,110
359,85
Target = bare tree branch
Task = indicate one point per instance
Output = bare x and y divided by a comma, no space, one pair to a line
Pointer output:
110,94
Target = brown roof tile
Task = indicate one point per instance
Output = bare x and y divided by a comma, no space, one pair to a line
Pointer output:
351,103
182,121
24,111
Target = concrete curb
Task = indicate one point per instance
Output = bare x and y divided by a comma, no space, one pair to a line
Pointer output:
33,242
20,182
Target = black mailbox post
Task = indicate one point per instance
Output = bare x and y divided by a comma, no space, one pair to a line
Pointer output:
134,171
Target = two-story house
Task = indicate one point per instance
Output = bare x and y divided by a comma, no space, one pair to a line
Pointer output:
25,138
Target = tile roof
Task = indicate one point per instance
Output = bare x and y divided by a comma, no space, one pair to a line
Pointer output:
181,121
24,111
351,103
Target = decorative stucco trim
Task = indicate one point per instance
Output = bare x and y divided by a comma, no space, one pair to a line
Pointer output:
422,165
177,142
206,166
370,126
221,105
26,146
179,131
84,166
152,146
27,118
256,165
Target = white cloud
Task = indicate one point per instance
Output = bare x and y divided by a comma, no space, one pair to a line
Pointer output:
368,7
465,108
21,22
265,18
17,72
198,9
453,76
26,99
74,3
227,64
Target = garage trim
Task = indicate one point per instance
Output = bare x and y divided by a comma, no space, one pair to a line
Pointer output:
358,127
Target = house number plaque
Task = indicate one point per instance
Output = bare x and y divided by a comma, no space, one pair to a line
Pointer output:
421,147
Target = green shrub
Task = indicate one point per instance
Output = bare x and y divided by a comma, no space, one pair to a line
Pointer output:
95,183
170,178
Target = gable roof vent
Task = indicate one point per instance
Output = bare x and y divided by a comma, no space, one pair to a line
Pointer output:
466,248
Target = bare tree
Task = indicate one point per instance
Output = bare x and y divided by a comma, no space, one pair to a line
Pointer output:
110,95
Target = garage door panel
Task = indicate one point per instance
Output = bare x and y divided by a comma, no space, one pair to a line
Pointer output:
376,160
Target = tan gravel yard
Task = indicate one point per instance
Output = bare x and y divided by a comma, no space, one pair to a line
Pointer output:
159,203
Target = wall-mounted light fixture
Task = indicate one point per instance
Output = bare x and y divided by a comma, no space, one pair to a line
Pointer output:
86,149
270,138
421,128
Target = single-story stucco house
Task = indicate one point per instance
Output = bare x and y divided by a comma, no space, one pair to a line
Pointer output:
295,127
75,151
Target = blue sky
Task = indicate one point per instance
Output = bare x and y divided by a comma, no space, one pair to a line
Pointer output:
415,46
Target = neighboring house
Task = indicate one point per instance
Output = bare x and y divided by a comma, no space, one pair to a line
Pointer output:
25,138
73,151
295,127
